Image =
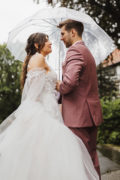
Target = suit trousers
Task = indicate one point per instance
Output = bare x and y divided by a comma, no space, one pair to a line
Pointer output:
89,136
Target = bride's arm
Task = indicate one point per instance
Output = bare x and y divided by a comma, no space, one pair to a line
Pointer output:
35,79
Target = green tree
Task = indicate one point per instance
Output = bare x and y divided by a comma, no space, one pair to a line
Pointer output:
107,82
9,82
105,12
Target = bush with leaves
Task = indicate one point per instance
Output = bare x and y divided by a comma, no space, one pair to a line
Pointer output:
108,88
109,131
10,94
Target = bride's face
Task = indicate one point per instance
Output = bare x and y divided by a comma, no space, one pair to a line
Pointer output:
47,47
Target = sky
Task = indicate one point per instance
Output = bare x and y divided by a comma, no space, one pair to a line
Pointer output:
12,12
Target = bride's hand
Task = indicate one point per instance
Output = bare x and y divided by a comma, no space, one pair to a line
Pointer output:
58,85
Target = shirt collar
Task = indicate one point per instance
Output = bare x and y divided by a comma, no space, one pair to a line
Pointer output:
77,42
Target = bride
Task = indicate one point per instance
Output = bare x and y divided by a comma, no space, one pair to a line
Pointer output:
34,142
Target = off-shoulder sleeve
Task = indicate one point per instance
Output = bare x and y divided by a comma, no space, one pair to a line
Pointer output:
34,84
33,88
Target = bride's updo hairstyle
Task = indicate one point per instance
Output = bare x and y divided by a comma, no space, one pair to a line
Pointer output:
38,38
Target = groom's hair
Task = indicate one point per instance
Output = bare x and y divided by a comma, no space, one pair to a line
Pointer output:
69,24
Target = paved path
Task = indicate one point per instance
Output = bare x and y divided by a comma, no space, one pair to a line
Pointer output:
109,169
115,175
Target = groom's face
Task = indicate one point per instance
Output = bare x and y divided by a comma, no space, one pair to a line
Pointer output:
66,37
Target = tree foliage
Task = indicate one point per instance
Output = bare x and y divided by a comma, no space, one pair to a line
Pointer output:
107,82
9,82
105,12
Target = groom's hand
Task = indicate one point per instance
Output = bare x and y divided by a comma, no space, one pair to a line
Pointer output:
58,85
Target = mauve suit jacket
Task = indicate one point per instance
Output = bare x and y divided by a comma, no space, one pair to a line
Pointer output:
79,88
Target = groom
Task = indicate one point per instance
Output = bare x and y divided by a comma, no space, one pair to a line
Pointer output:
79,88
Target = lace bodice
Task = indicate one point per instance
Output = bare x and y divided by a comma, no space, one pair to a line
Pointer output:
39,83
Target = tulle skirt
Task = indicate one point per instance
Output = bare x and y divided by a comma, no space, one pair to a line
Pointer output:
38,146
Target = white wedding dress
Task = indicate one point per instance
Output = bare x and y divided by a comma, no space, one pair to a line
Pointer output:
34,142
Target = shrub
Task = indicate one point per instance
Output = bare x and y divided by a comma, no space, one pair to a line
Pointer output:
109,131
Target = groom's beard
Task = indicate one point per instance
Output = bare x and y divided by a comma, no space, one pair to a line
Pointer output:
68,43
